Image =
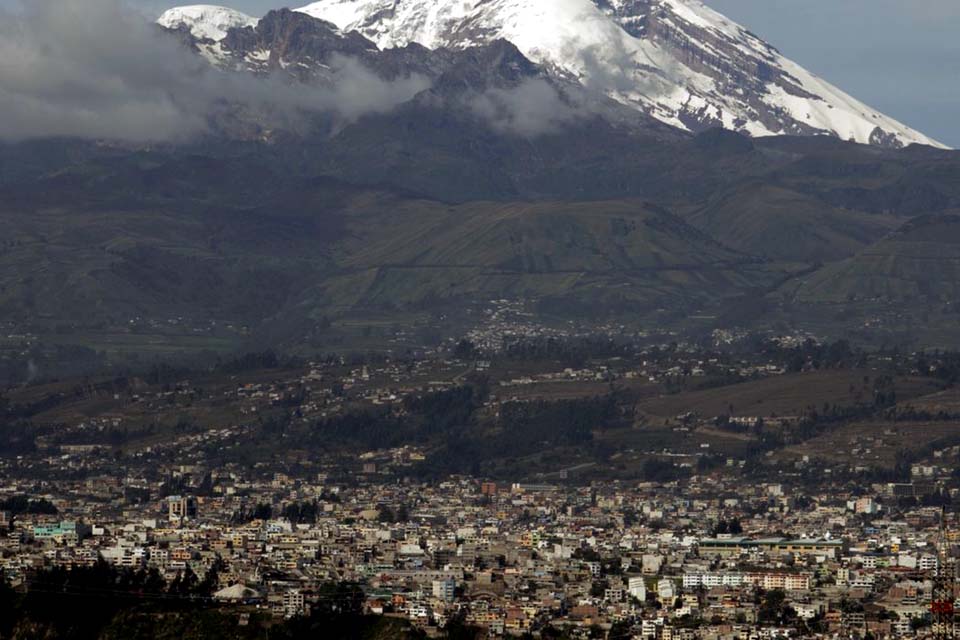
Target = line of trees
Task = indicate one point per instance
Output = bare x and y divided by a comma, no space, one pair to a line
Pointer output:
22,504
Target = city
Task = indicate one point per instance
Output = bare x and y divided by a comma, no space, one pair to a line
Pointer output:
709,557
264,490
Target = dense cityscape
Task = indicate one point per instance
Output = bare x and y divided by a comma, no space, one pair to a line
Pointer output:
706,558
271,492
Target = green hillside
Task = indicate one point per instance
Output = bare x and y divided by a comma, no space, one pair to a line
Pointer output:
920,262
403,252
402,220
120,276
780,223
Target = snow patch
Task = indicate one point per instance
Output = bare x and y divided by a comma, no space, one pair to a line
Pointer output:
206,21
600,43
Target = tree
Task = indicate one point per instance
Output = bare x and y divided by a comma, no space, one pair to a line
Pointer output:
263,511
465,350
23,504
599,588
185,584
620,630
211,580
9,602
735,527
403,514
772,607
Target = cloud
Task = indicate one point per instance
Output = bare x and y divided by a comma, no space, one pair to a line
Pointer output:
536,107
613,71
532,108
358,91
99,69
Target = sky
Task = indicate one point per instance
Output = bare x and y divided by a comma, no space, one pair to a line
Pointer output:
901,57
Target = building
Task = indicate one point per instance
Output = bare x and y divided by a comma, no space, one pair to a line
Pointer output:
488,488
735,546
444,590
866,505
928,563
294,603
779,580
637,588
710,580
614,594
666,590
63,533
181,508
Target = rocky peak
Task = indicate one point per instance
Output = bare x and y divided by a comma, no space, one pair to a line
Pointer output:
285,39
496,65
676,60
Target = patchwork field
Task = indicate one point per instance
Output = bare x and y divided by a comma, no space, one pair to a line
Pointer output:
874,444
789,395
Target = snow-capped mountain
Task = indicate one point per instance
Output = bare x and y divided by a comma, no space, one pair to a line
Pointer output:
205,21
677,60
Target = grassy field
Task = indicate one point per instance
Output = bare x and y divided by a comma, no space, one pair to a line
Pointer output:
947,401
873,444
779,223
146,413
919,263
651,440
567,390
787,395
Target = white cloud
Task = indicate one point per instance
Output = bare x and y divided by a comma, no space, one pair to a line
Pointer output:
99,69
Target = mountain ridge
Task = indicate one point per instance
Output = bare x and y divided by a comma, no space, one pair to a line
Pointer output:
677,60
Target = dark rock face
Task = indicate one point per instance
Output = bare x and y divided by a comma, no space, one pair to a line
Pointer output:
497,65
307,47
723,141
285,39
881,138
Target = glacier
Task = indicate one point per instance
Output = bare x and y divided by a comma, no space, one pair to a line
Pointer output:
676,60
206,21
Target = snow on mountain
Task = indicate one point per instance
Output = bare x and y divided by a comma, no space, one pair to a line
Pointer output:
205,21
678,60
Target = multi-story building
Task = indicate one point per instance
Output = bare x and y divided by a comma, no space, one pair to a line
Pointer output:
181,508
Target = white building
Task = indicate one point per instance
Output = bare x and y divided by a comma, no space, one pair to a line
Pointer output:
637,587
444,590
666,590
